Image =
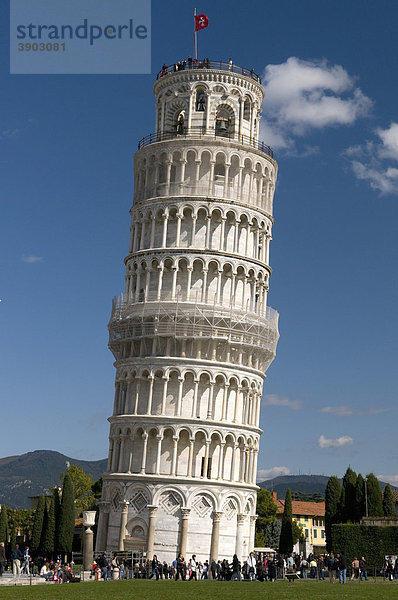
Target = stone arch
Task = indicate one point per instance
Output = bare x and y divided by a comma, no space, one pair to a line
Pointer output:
204,172
199,450
166,456
203,395
183,452
225,117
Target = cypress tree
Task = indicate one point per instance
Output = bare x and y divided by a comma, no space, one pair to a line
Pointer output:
57,507
38,524
332,504
388,502
66,516
374,496
3,524
286,538
360,498
48,536
348,510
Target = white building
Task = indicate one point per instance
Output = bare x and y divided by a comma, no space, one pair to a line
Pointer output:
192,335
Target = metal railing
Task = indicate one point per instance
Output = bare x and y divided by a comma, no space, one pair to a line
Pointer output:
206,64
200,132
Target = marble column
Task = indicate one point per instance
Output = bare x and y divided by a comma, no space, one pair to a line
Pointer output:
253,519
215,536
151,530
239,535
123,523
184,529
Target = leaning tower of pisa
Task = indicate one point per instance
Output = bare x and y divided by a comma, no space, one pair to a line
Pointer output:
192,335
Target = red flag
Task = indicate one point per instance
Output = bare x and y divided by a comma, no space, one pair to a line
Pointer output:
201,21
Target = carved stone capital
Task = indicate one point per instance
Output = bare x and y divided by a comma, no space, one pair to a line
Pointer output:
152,511
217,516
185,512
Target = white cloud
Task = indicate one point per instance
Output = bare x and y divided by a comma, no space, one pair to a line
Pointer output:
32,259
345,440
348,411
10,133
393,479
275,400
263,474
368,161
303,95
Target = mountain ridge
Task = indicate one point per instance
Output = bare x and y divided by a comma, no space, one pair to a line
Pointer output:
34,473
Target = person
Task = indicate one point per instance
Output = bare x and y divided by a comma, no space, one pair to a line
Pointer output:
154,567
26,561
180,567
189,62
363,572
16,558
342,568
389,568
272,569
205,571
230,63
303,568
193,565
290,563
213,569
331,565
251,563
2,558
236,569
355,568
320,567
396,568
103,565
313,566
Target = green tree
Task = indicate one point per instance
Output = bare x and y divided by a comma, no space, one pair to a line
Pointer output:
3,524
332,504
66,515
359,498
286,539
266,510
57,508
82,486
272,533
48,536
38,524
96,488
348,511
388,502
374,496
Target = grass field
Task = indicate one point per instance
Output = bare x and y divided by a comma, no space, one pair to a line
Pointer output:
204,590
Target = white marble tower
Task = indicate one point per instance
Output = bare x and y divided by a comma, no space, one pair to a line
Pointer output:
192,335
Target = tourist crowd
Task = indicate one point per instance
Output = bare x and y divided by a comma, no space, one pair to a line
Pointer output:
261,567
205,63
257,566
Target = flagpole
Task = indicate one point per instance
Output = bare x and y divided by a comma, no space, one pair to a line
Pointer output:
196,35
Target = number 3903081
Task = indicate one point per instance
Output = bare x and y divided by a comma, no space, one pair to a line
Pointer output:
41,47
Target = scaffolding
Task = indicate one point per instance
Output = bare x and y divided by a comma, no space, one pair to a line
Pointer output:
192,320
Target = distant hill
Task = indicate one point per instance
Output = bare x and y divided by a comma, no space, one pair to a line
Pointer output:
36,472
306,484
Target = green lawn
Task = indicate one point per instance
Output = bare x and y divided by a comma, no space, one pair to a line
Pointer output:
204,590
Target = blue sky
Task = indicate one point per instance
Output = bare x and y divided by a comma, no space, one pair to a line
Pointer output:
66,148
